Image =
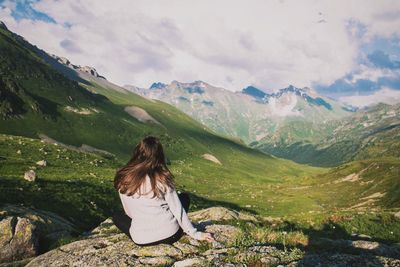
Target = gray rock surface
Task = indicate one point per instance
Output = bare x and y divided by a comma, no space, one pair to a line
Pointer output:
25,231
220,214
106,246
17,239
344,260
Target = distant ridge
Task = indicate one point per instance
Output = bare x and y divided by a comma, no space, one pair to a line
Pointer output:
253,91
250,114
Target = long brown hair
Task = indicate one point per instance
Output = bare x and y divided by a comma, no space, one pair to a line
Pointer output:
148,159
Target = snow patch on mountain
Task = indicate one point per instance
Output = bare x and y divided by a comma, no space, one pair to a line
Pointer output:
284,106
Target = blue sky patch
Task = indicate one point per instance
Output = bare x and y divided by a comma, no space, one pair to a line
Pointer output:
382,60
24,10
378,54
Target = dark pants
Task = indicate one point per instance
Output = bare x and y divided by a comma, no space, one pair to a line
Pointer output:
123,222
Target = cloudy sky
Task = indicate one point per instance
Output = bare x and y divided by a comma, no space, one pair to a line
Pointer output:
345,49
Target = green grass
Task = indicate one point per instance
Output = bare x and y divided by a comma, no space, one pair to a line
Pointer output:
78,186
75,185
75,180
374,180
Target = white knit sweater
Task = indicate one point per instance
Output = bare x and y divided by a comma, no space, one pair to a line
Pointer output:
154,219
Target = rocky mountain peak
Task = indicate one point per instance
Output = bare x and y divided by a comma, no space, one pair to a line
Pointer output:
291,88
190,84
3,25
254,91
157,85
309,95
308,90
264,97
89,70
196,87
63,61
86,69
200,84
261,95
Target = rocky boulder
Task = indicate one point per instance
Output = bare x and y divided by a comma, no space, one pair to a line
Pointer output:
25,232
30,176
17,239
42,163
211,158
106,246
220,214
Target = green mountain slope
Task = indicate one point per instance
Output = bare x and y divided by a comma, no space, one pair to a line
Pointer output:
369,133
37,100
370,184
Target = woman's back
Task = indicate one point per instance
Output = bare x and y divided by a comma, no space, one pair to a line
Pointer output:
152,218
147,193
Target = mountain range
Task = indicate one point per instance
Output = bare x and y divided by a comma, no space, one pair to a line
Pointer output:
251,114
293,123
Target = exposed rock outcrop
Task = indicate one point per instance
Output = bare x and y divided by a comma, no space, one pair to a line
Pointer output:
25,232
17,239
220,214
81,111
42,163
140,114
211,158
106,246
86,69
30,176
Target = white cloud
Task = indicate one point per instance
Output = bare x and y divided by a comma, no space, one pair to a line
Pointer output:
372,74
384,95
227,43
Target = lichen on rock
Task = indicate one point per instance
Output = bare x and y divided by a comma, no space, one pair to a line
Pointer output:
24,232
106,246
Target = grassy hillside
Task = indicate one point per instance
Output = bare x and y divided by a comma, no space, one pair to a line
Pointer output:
364,184
367,134
359,185
74,184
78,186
38,101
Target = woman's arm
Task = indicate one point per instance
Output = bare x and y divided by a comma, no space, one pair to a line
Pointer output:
175,205
124,205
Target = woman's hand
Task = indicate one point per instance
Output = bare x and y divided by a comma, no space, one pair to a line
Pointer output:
207,236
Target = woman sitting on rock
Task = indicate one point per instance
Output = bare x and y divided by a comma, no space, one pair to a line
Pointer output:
155,213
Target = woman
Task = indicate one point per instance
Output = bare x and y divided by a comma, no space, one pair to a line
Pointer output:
155,213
